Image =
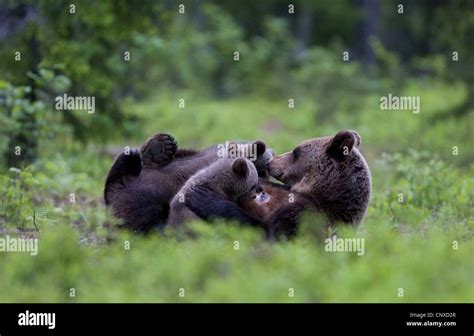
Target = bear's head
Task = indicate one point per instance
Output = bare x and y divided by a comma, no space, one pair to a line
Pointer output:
331,172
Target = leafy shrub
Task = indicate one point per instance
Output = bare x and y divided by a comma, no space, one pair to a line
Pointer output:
28,116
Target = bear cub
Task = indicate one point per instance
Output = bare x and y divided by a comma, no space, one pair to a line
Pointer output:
228,179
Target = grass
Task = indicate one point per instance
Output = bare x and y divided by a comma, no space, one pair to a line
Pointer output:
422,245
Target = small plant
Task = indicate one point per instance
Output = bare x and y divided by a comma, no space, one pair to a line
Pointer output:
17,191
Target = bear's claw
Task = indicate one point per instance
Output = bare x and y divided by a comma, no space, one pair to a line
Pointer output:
158,150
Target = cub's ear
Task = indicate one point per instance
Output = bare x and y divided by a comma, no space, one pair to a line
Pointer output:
341,145
261,147
358,139
240,167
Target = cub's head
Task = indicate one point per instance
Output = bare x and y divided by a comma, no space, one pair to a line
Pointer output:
240,180
330,170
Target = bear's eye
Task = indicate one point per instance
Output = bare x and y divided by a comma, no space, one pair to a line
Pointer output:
296,153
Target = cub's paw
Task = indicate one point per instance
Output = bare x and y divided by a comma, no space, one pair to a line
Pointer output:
125,166
159,150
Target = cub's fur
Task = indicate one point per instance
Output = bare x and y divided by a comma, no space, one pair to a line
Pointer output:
228,179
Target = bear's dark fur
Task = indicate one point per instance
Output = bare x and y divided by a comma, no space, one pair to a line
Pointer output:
140,186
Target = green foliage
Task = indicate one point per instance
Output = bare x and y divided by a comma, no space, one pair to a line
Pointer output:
17,195
27,115
270,59
18,115
426,192
334,85
88,45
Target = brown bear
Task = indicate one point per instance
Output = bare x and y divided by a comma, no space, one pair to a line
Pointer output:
232,179
140,185
327,175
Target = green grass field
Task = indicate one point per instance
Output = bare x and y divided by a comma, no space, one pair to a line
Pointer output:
419,249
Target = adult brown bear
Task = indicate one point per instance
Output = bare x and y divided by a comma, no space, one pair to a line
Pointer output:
327,175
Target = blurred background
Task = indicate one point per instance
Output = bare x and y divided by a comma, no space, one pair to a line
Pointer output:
281,56
142,60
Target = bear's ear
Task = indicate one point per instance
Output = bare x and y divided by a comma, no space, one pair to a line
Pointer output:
341,145
261,147
240,167
358,139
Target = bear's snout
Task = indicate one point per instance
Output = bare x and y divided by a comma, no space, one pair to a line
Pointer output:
276,167
269,158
